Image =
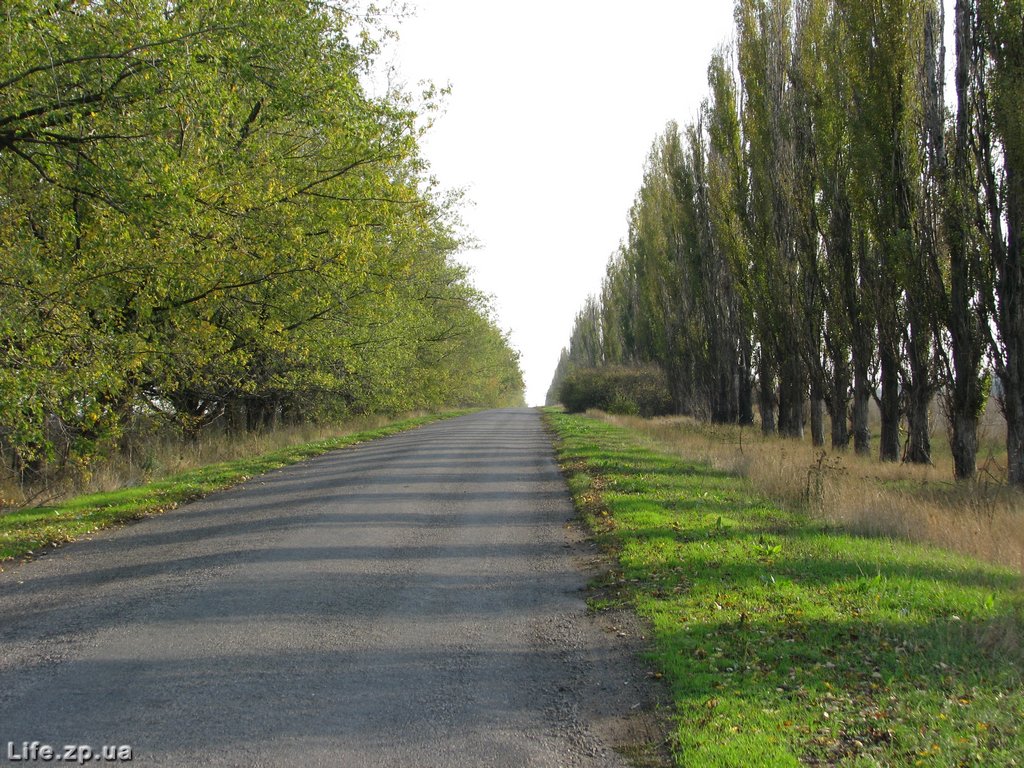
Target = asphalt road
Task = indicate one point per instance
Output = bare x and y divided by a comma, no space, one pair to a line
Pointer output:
415,601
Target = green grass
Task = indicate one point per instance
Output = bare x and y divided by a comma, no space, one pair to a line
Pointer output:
786,643
26,532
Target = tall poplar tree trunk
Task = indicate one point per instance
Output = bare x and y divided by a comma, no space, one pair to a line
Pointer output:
964,444
919,449
817,416
895,227
999,140
767,400
861,404
1013,410
919,392
889,442
839,411
927,304
843,340
791,395
746,389
862,347
1011,285
966,328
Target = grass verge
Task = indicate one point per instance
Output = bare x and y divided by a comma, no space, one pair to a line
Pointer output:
786,642
983,519
24,533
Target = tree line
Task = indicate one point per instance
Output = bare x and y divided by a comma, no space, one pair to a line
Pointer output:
206,218
837,224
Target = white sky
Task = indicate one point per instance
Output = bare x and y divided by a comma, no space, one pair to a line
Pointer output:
555,104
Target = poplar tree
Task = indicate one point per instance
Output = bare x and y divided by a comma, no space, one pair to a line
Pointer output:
765,50
830,224
1000,156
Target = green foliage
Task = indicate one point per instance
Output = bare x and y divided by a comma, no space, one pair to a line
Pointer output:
585,345
204,214
669,296
786,643
636,390
998,140
561,371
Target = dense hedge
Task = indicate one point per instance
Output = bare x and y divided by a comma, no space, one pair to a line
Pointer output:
638,390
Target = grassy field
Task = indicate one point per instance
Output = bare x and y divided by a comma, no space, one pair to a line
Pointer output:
25,532
786,641
983,519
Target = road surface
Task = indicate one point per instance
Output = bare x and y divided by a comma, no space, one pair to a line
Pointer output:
415,601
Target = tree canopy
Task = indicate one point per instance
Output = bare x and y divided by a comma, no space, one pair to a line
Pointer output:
205,216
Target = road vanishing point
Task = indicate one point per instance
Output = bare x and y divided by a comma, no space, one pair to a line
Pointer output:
413,601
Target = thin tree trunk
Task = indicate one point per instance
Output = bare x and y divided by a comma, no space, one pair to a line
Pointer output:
919,395
966,327
839,409
889,443
817,417
1013,409
861,344
746,389
919,448
767,396
791,397
1012,311
235,416
861,410
722,399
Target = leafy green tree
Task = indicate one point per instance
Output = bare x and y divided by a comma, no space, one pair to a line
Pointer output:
618,310
828,223
958,258
561,371
205,217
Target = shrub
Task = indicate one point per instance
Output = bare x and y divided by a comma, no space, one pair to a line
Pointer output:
633,391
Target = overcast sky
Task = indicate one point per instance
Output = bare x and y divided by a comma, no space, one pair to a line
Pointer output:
553,109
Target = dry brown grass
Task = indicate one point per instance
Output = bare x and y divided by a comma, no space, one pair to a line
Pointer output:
984,518
155,457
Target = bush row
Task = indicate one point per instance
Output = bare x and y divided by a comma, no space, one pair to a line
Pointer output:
631,390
